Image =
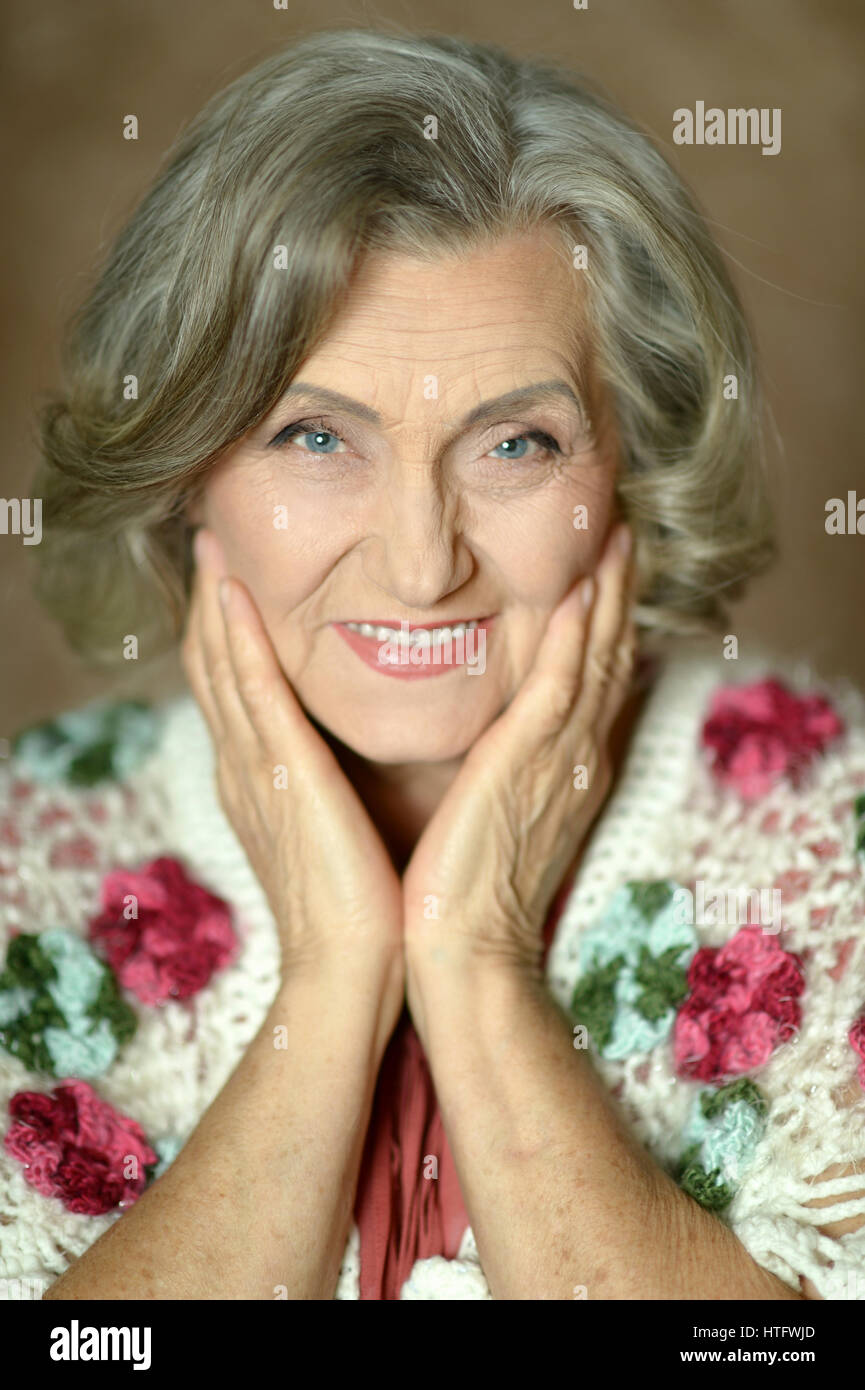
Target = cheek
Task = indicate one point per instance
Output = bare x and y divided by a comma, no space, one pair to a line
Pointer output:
280,543
541,545
284,541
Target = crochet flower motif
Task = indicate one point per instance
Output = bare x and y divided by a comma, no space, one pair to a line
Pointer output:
101,740
742,1005
859,815
60,1009
633,969
167,1149
758,734
163,934
857,1042
77,1147
721,1137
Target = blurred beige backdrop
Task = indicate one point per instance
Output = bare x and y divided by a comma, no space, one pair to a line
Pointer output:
790,225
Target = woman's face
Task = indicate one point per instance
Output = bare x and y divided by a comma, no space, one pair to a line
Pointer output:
400,503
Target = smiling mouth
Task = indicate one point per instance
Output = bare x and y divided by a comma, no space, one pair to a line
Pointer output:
414,634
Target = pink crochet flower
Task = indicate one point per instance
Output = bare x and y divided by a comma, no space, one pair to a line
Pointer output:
857,1042
743,1003
757,734
182,933
77,1147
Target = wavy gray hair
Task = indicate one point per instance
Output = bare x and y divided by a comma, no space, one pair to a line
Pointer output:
321,149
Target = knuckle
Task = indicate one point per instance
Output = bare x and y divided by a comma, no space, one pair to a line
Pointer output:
602,666
254,689
556,701
624,667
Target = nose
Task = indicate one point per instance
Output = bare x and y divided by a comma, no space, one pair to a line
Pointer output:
415,551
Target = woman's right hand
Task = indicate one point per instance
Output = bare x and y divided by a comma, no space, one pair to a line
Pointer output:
330,883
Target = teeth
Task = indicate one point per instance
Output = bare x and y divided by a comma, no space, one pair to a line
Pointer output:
436,635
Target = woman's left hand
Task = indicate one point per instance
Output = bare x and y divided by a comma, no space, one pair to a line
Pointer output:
483,874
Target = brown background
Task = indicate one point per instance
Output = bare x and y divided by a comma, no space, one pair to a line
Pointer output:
790,225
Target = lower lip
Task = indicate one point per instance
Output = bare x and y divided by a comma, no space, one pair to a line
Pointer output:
367,648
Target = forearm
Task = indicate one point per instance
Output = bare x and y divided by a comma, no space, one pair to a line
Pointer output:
261,1194
559,1193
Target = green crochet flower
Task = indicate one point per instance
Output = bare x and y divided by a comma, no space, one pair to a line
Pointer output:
859,814
633,969
721,1137
60,1008
102,740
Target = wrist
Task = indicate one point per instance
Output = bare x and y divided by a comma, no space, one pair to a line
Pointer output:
338,958
454,988
361,994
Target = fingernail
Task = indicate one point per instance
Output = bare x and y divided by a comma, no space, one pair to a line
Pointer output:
587,588
224,589
623,540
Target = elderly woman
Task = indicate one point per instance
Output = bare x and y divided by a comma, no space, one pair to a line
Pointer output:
396,960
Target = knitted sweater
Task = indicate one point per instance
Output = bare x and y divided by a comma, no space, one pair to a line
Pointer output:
710,954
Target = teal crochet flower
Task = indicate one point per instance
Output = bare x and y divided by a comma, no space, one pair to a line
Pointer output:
60,1008
167,1150
102,740
633,969
721,1138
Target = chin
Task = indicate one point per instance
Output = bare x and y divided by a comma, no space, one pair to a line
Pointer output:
395,736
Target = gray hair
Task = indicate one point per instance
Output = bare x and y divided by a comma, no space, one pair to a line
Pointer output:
321,149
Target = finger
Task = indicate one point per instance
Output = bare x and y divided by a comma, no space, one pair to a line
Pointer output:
621,682
548,698
272,710
611,643
545,700
218,667
266,695
559,658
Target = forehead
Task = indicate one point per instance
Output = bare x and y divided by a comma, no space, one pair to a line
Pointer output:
515,294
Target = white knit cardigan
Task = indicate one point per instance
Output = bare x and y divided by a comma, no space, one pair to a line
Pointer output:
667,817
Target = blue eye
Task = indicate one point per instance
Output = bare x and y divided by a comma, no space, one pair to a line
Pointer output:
299,431
547,444
521,443
325,442
318,436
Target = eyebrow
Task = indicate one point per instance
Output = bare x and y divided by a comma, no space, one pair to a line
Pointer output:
489,410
